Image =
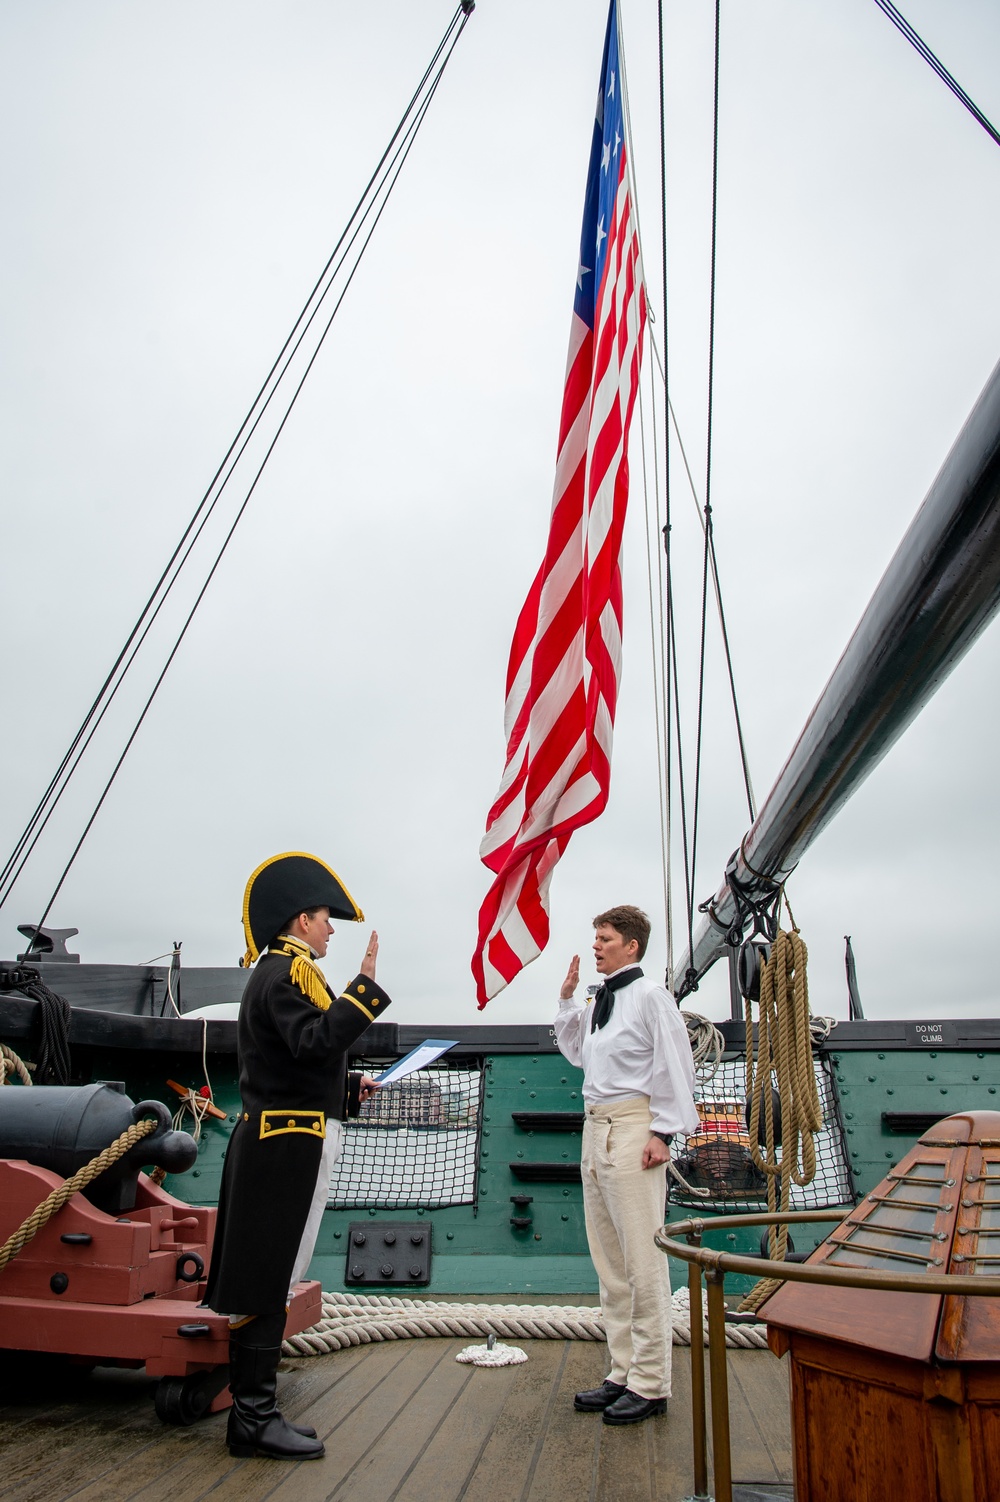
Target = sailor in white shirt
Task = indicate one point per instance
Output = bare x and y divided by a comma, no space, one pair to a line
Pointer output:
638,1083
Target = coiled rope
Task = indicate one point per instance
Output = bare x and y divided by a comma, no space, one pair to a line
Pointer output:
351,1319
707,1045
785,1050
11,1064
54,1202
53,1014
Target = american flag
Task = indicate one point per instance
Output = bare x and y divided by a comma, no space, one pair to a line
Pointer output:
562,679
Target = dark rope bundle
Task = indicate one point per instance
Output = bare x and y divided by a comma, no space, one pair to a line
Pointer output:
53,1060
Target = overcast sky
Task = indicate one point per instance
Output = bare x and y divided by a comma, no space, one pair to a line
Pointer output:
174,178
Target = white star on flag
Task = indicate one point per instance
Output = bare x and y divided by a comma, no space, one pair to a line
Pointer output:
565,659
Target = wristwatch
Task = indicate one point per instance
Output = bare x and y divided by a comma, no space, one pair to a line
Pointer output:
666,1137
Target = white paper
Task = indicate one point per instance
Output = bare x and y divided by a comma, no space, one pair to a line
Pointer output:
417,1058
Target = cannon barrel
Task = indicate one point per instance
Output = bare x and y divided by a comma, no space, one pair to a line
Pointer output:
62,1127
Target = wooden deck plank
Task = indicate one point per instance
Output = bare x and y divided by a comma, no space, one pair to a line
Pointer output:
389,1368
351,1426
672,1450
566,1464
624,1468
760,1381
70,1443
382,1469
510,1450
173,1460
216,1473
755,1462
402,1421
447,1463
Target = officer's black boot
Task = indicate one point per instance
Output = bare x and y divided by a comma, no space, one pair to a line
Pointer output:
255,1425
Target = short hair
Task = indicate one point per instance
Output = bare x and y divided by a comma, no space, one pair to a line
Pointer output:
310,912
631,922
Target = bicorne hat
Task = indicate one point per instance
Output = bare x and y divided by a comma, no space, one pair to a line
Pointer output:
285,885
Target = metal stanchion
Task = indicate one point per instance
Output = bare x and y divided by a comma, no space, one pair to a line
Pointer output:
719,1370
699,1428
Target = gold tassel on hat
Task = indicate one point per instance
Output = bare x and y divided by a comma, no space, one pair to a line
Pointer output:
310,982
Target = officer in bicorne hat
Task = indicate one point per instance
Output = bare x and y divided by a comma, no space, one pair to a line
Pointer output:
293,1036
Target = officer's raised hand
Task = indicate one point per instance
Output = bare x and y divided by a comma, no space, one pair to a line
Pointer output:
371,955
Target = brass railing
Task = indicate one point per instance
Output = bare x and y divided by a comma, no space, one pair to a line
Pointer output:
715,1266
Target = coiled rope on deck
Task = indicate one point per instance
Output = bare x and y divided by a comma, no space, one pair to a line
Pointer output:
351,1319
54,1202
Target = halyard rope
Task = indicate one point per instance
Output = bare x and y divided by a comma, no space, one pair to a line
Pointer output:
54,1202
785,1049
351,1319
11,1064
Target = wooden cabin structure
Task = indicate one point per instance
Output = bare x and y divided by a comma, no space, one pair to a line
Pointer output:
897,1394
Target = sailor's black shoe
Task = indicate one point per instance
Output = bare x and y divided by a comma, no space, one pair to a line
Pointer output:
630,1408
597,1398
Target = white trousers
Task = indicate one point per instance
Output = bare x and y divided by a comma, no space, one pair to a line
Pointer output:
624,1204
321,1194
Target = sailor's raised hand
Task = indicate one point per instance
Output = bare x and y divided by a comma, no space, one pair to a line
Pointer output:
572,980
371,955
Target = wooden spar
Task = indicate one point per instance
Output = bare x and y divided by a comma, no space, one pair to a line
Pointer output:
940,590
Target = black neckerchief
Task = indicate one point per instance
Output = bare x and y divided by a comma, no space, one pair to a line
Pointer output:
604,1000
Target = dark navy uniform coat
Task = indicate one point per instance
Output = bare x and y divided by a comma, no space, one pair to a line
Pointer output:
293,1078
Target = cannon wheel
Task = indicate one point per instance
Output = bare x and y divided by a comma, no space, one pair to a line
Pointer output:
185,1400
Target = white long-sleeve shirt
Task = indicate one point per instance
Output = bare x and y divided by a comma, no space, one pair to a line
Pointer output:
643,1049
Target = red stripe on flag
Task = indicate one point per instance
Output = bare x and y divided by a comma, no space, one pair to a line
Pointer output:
562,675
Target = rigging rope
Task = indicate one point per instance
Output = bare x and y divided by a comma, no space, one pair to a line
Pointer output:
53,1015
381,182
670,697
784,1051
656,663
708,494
11,1063
903,25
53,1202
667,661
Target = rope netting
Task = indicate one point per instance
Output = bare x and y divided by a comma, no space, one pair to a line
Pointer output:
414,1143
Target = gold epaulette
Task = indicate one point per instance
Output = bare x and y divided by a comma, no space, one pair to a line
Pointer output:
304,974
310,982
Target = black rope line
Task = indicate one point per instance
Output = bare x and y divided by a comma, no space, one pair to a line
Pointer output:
663,254
708,550
913,37
7,885
744,762
670,664
396,167
205,498
681,790
182,552
53,1013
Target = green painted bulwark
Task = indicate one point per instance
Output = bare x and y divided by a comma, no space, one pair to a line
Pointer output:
476,1249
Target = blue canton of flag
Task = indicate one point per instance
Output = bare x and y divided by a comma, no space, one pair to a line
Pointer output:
602,177
565,659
